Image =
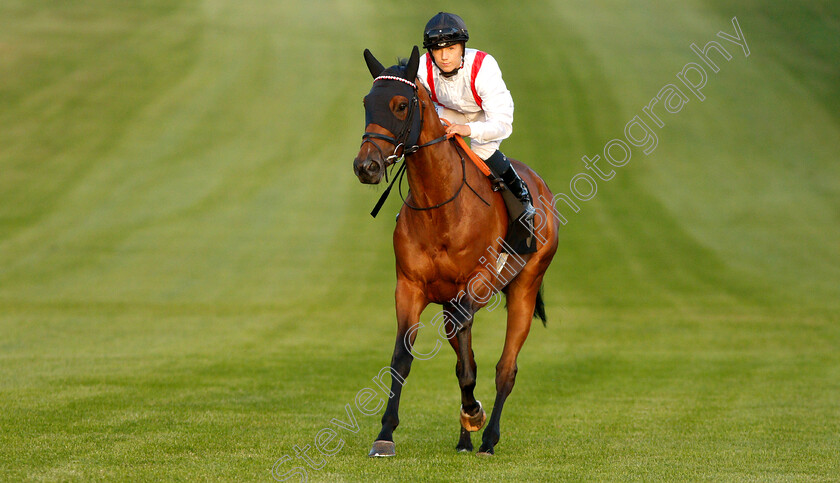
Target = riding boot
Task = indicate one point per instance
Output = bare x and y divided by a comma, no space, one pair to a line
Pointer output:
519,189
500,165
518,202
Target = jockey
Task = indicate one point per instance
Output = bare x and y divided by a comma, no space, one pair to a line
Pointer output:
467,88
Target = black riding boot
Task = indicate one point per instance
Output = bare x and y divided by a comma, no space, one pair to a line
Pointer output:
520,190
500,165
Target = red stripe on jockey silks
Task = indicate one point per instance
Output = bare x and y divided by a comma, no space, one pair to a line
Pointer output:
479,58
430,75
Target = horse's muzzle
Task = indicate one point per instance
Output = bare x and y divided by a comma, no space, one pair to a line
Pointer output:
368,169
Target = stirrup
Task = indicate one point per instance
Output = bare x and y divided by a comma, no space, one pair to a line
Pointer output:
526,218
528,211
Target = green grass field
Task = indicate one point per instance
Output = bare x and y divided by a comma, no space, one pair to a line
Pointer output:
191,284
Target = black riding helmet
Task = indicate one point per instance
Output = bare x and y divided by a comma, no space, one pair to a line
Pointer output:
443,30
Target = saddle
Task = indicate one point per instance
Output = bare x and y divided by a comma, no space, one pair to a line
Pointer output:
520,239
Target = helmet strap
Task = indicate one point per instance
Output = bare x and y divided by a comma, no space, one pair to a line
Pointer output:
454,71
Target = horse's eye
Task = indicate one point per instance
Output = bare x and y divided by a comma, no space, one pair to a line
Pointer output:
403,106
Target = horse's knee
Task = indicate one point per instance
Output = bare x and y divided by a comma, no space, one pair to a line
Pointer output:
466,375
506,368
505,377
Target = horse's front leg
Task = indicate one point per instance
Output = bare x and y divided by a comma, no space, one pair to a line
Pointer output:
459,328
410,303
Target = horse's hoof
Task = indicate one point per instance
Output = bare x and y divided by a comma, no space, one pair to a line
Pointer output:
383,448
464,448
473,423
485,453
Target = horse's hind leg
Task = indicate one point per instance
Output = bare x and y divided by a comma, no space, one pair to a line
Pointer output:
521,297
472,415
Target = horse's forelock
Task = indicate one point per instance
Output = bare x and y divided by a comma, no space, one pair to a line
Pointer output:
399,70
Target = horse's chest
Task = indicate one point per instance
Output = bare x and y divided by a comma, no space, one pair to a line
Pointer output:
445,274
441,264
448,263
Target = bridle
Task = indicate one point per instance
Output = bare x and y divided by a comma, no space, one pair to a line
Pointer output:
409,133
407,138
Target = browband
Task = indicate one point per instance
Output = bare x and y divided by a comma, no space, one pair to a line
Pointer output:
400,79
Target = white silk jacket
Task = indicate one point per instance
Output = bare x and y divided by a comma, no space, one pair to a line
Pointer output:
491,115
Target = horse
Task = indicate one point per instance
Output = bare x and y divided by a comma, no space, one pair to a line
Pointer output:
442,239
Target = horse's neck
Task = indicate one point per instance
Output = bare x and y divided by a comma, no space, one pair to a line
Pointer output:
434,172
433,176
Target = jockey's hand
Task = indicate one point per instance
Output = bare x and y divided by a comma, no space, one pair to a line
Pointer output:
461,129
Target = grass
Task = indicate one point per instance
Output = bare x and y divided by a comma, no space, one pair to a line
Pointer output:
191,286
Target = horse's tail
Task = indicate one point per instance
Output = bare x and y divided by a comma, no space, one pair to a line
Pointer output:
539,308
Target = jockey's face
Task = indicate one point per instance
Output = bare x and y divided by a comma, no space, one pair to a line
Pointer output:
448,58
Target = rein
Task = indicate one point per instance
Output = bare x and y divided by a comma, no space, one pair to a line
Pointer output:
457,192
409,147
401,170
402,139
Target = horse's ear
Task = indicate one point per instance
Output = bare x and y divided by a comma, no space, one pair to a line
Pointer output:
413,64
374,66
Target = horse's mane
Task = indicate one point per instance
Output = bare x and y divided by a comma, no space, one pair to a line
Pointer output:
398,69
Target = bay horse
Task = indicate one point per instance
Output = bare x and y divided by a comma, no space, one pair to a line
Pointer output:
441,243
